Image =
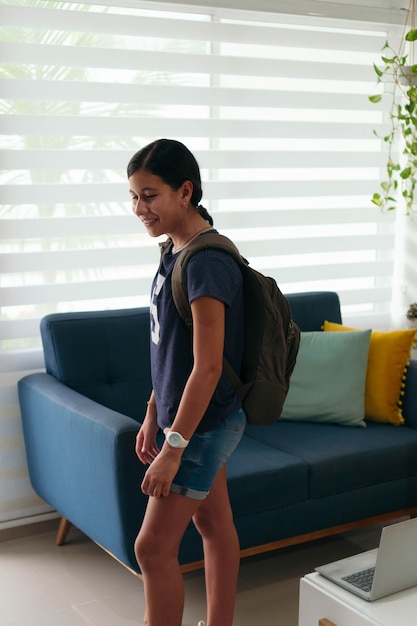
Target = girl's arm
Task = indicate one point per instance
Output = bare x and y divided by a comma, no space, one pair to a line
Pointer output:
208,345
146,447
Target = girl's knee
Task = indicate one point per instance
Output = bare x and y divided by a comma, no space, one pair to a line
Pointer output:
151,551
209,524
145,551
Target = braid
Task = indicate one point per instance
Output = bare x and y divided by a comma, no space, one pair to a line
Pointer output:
205,214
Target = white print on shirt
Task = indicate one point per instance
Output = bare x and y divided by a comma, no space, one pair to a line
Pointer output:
155,327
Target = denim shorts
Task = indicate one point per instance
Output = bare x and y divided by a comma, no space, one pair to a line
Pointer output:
205,455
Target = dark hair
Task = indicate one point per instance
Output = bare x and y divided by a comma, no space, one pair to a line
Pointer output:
174,164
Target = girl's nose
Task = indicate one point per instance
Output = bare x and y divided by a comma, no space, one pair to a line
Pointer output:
139,207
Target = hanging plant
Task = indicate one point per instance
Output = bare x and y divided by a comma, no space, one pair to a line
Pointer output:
398,73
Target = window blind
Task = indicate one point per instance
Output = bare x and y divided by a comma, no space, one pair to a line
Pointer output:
275,108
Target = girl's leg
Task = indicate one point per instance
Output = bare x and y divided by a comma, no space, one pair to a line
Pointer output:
214,521
156,550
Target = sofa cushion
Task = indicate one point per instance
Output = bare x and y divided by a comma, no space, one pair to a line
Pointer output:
261,477
389,353
341,458
309,309
103,355
328,382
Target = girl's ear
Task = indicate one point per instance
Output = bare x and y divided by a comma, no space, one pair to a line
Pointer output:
187,190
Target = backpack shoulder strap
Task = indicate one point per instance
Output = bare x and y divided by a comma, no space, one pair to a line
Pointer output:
179,290
204,242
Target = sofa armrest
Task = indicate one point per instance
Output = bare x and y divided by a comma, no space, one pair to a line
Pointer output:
82,461
410,396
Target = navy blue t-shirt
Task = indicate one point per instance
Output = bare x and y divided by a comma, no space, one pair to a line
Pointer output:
211,273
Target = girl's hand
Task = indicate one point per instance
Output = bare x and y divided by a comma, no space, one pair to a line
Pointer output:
146,447
159,476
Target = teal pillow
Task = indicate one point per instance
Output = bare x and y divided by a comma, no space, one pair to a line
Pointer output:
328,382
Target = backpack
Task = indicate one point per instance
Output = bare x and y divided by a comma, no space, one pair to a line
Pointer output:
271,337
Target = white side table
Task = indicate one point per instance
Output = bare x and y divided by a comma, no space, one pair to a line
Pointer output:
322,603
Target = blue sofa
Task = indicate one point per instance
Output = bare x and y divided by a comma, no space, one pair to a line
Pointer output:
289,482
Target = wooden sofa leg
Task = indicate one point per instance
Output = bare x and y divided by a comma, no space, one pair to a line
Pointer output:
62,532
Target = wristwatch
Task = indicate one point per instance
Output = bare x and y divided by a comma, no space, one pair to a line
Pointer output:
175,440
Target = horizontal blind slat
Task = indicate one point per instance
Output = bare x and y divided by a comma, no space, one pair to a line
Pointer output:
16,329
142,261
362,296
54,261
74,21
50,227
205,96
46,228
66,125
103,225
250,249
299,217
70,292
108,159
21,360
117,192
331,271
171,61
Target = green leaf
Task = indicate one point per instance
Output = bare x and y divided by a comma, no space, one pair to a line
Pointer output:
376,199
406,173
411,35
393,167
413,69
378,72
375,99
385,186
389,61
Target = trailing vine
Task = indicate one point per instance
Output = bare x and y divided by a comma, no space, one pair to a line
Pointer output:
401,170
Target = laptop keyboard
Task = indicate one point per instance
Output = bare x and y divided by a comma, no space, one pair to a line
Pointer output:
362,580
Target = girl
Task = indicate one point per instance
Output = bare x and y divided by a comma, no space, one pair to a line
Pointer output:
192,400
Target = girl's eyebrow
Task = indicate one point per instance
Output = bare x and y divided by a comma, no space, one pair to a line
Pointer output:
143,190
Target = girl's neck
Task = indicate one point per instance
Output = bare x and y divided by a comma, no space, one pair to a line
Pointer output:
180,246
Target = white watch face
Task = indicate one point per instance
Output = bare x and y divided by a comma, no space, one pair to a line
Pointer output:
174,440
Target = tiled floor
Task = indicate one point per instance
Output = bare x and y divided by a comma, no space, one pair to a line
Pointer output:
79,584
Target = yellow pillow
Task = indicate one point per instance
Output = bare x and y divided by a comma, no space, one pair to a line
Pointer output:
389,354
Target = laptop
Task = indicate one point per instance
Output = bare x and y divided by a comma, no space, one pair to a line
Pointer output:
380,572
